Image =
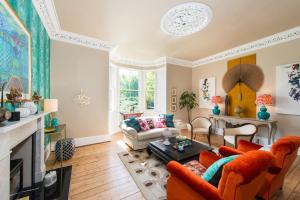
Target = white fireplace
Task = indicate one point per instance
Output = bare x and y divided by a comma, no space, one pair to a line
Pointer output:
11,135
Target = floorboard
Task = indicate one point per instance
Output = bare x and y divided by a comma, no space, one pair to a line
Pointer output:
98,173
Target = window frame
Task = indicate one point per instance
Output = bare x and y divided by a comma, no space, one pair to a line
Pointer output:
142,90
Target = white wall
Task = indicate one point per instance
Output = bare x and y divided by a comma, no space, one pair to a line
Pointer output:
74,68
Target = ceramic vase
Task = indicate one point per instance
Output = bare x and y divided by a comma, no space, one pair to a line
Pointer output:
216,110
263,114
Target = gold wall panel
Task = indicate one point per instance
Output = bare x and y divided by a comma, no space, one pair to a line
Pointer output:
247,102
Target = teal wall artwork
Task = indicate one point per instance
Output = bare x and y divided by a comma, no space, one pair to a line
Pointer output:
15,50
40,46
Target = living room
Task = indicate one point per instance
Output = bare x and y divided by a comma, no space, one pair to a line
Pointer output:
110,100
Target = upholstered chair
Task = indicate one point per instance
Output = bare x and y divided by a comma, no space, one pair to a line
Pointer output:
233,135
285,151
241,178
200,126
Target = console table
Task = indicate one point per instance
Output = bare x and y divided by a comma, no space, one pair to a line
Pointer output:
270,124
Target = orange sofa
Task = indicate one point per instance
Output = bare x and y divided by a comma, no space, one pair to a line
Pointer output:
241,178
285,151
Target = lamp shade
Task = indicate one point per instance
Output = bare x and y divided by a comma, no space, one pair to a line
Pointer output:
264,99
216,99
50,105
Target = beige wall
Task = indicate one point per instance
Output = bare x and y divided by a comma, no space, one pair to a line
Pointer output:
73,68
267,59
180,78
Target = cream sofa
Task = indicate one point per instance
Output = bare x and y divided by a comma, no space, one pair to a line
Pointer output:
140,140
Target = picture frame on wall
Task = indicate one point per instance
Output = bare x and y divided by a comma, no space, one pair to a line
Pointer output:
174,92
15,53
174,108
288,89
207,89
174,100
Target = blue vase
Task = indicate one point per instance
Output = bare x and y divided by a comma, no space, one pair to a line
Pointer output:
216,110
263,114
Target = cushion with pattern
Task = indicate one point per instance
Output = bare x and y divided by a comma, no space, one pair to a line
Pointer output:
160,123
144,125
150,123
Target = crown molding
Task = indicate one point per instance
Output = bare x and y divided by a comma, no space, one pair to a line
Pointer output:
47,12
180,62
277,38
140,63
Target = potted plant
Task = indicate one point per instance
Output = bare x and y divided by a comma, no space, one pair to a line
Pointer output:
188,100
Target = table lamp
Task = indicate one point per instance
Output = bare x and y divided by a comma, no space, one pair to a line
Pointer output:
51,106
216,100
263,100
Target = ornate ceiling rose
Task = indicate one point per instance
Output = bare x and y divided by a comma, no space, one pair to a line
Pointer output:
186,19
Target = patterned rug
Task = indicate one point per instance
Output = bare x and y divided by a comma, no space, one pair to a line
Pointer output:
148,172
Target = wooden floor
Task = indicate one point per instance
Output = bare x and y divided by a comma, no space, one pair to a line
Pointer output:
98,173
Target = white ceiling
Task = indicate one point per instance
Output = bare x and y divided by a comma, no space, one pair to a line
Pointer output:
134,25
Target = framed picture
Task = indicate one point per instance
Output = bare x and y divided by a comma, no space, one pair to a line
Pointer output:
174,92
15,51
288,89
207,89
174,108
174,100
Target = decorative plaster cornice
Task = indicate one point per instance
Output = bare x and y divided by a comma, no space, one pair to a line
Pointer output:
48,15
47,12
278,38
180,62
140,63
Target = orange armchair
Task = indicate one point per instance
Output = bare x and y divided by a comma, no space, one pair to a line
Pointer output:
241,178
285,152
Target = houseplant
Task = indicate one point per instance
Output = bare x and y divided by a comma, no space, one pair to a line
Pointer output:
188,100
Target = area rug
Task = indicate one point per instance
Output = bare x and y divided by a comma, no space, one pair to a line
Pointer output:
148,172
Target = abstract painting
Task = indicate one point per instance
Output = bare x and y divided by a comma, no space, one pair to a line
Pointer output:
207,89
15,50
288,89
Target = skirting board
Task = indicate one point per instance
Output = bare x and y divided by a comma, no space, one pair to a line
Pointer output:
92,140
87,141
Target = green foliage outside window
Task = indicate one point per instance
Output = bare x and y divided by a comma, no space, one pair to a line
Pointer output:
150,90
129,90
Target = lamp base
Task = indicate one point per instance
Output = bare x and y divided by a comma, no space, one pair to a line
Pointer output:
216,110
263,114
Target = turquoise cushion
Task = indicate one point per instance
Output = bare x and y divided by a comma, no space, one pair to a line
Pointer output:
169,119
133,123
213,169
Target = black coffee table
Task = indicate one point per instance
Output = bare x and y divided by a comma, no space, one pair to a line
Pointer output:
168,153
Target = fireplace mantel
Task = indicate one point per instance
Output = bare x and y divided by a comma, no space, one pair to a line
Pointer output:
12,134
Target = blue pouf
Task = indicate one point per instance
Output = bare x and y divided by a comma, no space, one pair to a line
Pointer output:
68,149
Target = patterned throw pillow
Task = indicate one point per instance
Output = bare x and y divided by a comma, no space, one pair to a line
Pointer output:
150,123
196,167
160,123
169,119
144,125
133,123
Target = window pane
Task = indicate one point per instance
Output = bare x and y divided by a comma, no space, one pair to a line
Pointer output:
129,90
129,79
150,90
